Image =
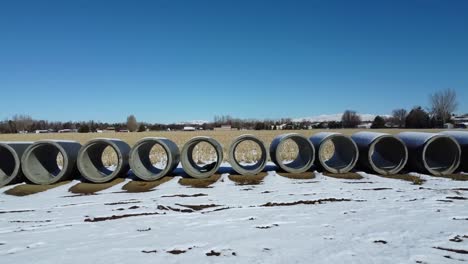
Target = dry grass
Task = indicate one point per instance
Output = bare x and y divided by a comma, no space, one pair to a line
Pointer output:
248,179
28,189
144,186
347,176
406,177
298,176
90,188
200,183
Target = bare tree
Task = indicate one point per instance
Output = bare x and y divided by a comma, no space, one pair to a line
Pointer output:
399,117
22,122
132,124
443,104
350,119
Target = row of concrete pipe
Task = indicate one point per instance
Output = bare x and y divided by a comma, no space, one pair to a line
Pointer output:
433,153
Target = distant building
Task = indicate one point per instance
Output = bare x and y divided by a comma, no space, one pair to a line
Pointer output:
225,128
41,131
66,131
364,125
188,128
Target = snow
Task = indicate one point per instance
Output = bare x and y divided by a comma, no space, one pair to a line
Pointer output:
384,221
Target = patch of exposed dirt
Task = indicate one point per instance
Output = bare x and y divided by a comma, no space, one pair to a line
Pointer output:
91,188
455,176
198,207
457,218
200,183
144,230
28,189
169,208
380,241
248,179
16,211
178,251
149,251
123,202
144,186
347,176
319,201
377,189
457,198
38,221
216,210
359,182
114,217
213,253
298,176
460,189
405,177
458,238
459,251
185,195
267,226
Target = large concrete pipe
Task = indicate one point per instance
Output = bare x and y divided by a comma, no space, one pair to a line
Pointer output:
462,138
380,152
432,153
90,161
10,161
191,167
247,169
140,161
39,161
304,159
345,154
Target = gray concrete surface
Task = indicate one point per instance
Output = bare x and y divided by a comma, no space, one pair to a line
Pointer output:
191,167
10,162
250,169
304,159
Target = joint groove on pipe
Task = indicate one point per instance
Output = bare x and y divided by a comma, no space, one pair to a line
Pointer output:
345,154
304,159
250,169
462,138
432,153
141,164
10,161
90,160
380,152
191,167
39,161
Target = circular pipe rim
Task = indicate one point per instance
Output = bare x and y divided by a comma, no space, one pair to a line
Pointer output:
452,167
237,166
154,141
17,166
187,166
284,167
383,171
100,179
350,166
27,155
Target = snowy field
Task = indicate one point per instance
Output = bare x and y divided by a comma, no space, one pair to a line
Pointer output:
282,220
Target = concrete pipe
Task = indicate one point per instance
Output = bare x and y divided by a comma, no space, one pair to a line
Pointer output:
304,159
462,138
90,161
10,161
140,161
380,152
432,153
345,152
191,167
247,169
40,165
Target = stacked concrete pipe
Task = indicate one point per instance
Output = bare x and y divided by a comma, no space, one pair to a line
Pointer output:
247,169
140,161
39,161
381,153
432,153
462,138
90,160
10,161
191,167
345,156
304,159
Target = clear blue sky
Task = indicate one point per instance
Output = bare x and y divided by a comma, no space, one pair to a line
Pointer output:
169,61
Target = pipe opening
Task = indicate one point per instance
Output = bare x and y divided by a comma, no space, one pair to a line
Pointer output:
8,163
150,158
43,162
100,159
295,153
202,156
338,154
249,155
441,155
388,155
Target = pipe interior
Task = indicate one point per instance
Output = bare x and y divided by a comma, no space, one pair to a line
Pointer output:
441,154
388,153
42,162
7,163
304,156
342,154
196,158
94,159
152,157
249,155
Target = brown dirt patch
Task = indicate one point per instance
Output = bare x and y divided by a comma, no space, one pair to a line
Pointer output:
185,195
298,176
200,183
28,189
347,176
248,179
144,186
459,251
16,211
455,176
90,188
319,201
198,207
405,177
114,217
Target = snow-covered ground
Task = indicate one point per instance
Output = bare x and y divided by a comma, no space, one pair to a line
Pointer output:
322,220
